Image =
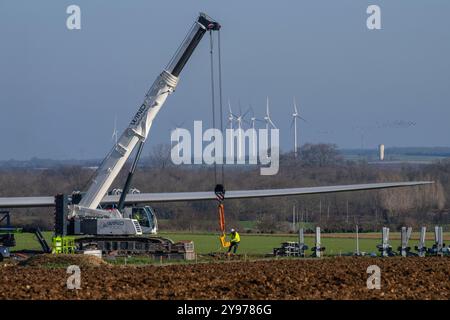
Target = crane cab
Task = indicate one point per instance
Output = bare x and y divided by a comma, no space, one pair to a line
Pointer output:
145,216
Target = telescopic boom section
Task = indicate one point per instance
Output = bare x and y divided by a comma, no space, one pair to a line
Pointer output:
140,124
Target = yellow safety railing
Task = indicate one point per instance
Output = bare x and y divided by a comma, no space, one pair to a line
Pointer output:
63,244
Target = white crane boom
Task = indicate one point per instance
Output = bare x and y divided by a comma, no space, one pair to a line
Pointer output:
139,126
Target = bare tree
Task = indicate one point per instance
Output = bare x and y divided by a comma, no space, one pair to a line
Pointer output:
320,154
160,156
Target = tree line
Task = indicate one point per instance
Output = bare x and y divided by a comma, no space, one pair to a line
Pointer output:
315,165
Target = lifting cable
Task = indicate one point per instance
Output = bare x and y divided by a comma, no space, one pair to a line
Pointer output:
220,98
213,100
213,97
219,189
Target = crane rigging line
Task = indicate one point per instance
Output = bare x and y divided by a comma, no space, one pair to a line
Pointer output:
213,100
220,94
219,189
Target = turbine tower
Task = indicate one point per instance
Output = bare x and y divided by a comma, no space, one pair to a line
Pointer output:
295,115
252,120
252,124
239,128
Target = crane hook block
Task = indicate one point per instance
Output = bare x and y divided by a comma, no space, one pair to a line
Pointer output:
219,190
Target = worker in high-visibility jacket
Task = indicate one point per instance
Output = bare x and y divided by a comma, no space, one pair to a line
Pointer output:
235,239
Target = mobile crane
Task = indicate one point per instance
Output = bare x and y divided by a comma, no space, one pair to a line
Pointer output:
117,228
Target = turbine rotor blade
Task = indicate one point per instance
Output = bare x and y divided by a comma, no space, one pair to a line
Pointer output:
271,122
251,110
245,113
295,106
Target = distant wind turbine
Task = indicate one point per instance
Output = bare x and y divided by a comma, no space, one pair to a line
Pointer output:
241,116
114,135
238,119
295,115
230,115
267,117
252,124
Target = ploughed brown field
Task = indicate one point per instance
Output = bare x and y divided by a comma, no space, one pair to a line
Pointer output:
327,278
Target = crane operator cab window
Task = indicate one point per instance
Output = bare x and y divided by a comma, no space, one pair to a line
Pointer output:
141,216
146,218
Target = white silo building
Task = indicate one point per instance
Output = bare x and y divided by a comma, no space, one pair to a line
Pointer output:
381,151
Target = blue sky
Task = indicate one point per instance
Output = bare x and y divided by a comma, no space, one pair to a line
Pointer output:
60,90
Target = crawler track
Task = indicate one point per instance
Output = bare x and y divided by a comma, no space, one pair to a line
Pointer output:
128,245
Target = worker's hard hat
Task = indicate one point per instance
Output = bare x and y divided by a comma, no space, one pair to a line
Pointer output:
232,230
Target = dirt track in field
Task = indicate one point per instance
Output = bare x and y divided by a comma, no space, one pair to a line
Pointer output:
330,278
